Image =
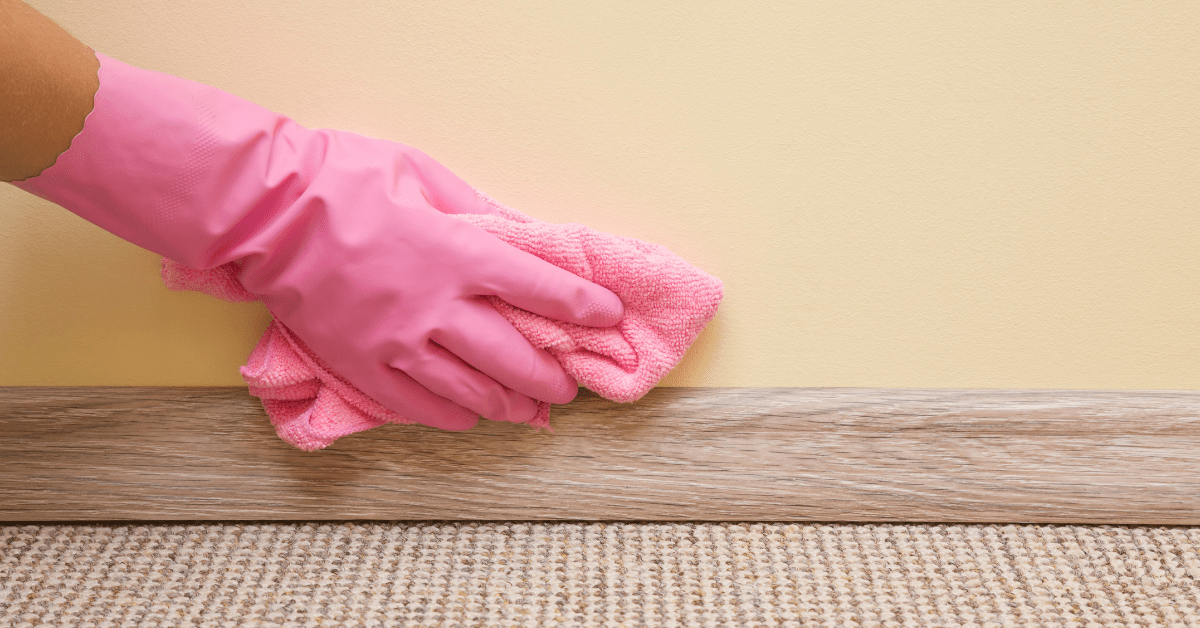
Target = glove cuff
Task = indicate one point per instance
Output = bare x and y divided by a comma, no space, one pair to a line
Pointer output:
178,167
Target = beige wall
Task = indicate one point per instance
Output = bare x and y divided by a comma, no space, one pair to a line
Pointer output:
941,194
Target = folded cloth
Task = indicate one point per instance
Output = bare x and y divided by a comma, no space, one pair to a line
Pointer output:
667,304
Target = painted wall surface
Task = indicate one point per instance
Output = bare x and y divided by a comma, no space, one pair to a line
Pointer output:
914,194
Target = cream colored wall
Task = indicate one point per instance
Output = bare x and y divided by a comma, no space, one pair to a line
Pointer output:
925,194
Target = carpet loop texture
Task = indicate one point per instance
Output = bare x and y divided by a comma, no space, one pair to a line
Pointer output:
597,574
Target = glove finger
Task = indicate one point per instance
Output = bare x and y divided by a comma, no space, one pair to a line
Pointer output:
401,393
484,339
446,375
444,190
531,283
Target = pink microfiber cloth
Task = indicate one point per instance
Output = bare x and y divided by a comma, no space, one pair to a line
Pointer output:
667,304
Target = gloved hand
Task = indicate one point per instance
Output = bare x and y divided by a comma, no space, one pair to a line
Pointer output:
345,238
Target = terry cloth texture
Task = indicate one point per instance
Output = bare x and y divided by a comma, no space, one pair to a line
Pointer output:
598,574
667,304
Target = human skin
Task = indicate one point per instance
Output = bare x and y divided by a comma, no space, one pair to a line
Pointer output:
374,277
47,84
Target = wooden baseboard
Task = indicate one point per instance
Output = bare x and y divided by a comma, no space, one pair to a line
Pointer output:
731,454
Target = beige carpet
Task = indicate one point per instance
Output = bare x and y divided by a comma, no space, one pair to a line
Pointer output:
597,574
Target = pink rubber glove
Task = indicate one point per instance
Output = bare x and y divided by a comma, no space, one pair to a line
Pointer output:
344,237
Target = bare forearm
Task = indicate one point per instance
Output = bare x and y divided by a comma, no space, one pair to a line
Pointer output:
47,83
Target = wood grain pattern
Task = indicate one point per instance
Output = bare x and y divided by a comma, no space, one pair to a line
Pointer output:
744,454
